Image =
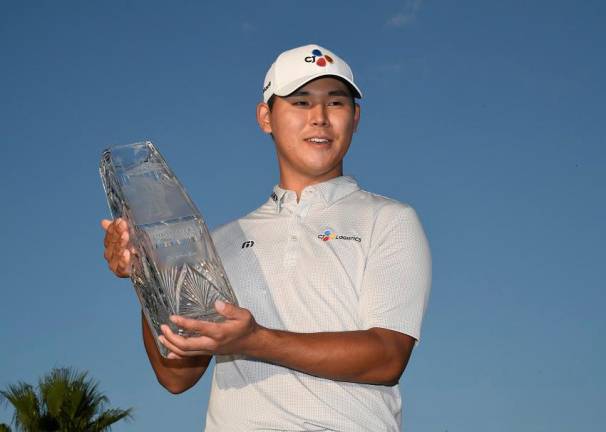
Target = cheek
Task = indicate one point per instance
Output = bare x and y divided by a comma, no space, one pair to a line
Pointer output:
289,125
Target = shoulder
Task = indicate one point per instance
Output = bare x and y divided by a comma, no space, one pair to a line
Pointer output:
391,220
382,207
226,233
221,233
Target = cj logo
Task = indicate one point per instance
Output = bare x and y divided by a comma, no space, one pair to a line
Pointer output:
330,235
327,235
319,59
248,244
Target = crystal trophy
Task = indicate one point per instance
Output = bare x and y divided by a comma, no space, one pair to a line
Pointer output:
176,268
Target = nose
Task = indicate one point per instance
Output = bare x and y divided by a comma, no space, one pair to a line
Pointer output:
319,116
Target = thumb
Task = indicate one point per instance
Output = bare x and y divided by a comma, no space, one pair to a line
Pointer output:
228,310
105,223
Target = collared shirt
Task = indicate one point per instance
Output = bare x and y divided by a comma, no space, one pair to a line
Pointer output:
339,259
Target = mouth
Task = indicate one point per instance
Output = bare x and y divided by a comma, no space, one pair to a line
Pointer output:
318,140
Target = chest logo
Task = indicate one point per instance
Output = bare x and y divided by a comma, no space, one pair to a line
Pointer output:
330,235
248,244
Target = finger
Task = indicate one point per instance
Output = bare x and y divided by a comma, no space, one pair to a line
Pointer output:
172,348
177,353
192,343
110,234
203,328
122,226
113,267
107,254
111,251
116,249
117,260
119,231
197,344
230,311
124,264
105,223
123,239
171,355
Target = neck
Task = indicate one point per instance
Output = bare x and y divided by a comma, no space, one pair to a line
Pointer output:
296,182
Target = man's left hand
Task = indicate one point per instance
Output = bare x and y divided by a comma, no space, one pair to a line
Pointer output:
232,336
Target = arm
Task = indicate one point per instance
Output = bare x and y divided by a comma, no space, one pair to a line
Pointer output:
373,356
175,375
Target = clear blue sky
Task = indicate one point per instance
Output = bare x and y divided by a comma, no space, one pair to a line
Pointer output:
486,116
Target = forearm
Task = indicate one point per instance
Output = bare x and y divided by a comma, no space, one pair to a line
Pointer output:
176,375
374,356
365,356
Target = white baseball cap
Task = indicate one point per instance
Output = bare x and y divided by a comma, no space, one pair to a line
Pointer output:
298,66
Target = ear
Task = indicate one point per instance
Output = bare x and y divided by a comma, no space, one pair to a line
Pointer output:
264,117
356,116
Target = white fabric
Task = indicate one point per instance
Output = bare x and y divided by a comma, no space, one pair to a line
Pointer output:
373,271
298,66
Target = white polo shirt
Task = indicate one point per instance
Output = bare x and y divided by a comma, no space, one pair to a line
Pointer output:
340,259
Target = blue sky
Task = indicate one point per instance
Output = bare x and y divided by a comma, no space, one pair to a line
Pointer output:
486,116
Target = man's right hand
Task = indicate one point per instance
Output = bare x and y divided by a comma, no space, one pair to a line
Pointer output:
118,249
176,375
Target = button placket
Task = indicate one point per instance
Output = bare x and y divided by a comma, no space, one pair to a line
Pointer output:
299,212
290,257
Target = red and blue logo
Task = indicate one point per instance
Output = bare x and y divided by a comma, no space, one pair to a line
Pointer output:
330,235
318,58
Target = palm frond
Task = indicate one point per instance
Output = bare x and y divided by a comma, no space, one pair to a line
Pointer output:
107,418
67,400
24,400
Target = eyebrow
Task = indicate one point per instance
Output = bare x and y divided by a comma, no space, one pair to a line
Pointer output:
330,93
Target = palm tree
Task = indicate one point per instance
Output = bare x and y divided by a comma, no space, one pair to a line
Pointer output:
65,401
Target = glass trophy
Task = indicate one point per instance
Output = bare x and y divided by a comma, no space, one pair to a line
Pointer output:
176,268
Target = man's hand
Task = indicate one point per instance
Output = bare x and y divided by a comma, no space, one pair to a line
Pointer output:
175,375
233,336
118,249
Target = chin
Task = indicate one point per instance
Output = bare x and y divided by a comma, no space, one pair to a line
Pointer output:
320,171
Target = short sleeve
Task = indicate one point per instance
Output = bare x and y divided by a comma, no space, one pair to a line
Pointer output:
397,275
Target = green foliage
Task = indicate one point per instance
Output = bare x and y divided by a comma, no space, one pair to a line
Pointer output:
66,401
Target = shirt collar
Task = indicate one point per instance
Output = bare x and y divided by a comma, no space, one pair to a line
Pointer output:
327,192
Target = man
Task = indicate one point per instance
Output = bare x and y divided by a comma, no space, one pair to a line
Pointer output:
332,280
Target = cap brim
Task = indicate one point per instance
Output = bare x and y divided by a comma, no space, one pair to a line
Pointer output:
294,85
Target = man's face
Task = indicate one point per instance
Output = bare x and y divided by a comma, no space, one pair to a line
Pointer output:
312,129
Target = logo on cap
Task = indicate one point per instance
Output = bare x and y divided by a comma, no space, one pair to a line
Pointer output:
319,59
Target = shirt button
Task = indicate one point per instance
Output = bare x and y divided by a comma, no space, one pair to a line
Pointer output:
293,238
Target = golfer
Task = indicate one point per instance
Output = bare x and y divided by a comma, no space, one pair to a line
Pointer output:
332,280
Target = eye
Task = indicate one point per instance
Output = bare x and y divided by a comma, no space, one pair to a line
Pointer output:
335,102
300,103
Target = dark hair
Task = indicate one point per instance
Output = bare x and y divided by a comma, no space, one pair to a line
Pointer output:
270,102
